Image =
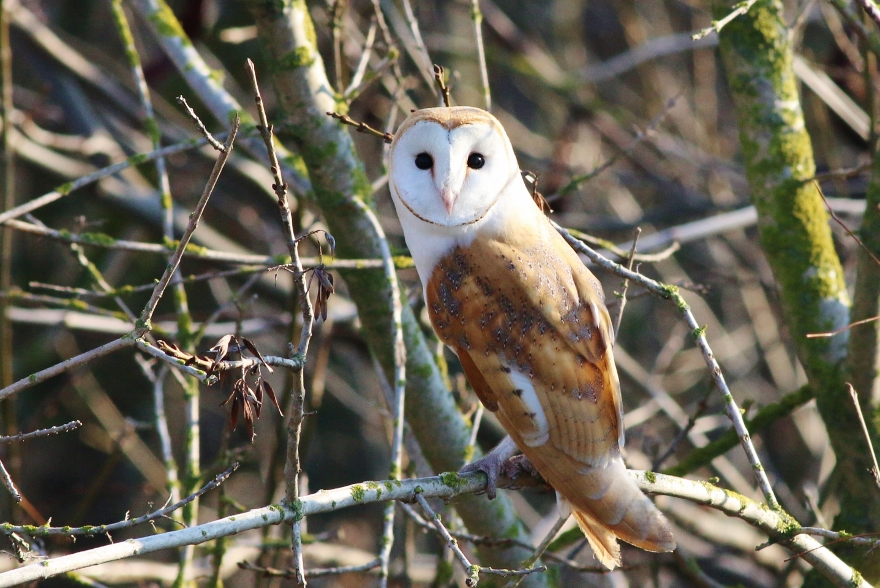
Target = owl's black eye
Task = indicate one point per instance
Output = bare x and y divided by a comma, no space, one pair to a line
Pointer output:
476,161
424,161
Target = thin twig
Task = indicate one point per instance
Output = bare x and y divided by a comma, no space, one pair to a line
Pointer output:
313,573
473,571
103,529
65,189
504,542
475,428
293,466
60,368
610,247
717,25
842,329
439,79
845,228
861,539
7,481
413,24
625,286
702,407
147,314
397,409
217,145
337,14
42,432
364,61
266,262
361,126
640,137
158,381
245,363
855,398
540,549
477,17
699,334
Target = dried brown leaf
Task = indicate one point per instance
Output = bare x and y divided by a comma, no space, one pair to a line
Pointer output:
253,349
271,394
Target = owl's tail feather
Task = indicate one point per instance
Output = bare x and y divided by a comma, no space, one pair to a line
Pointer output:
608,504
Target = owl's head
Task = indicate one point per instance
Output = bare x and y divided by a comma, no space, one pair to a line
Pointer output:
449,166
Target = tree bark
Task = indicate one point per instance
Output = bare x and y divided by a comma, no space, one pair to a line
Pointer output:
796,238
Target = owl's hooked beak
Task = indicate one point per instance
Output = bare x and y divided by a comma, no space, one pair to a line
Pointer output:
448,197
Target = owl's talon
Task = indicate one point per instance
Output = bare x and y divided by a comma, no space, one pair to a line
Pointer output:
514,467
493,464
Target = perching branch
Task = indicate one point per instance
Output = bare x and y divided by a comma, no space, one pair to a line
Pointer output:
778,526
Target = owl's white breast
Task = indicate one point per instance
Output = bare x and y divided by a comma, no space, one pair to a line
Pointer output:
429,243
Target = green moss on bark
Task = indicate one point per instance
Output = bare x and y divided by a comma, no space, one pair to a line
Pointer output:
795,232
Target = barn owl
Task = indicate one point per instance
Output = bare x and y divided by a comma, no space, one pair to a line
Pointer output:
525,317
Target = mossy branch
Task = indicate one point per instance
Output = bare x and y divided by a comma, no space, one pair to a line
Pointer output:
796,236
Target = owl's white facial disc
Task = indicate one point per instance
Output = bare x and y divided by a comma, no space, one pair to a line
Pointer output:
451,176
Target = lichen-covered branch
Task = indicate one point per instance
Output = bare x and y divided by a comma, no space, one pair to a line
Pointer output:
778,526
796,236
338,178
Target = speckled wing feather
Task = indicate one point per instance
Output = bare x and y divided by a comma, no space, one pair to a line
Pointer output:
532,333
517,311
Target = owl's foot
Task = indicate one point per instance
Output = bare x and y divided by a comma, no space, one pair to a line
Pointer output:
514,468
493,464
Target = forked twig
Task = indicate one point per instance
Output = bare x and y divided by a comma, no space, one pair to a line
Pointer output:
473,571
717,25
361,126
217,145
270,572
625,286
293,466
439,78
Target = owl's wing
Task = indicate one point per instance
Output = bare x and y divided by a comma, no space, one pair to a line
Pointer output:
534,340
